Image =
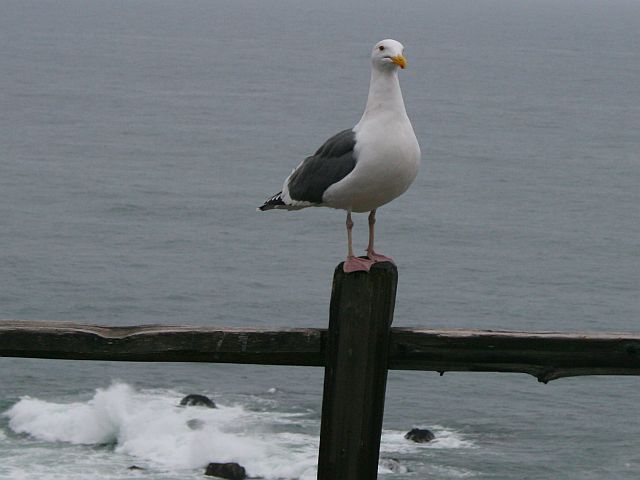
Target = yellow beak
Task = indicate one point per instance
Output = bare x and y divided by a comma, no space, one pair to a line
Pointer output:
399,60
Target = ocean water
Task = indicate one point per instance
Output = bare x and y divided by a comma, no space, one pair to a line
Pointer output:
138,136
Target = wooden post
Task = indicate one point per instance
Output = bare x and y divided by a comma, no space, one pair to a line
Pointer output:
355,378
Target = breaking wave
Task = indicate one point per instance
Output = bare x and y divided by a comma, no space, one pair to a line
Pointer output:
149,429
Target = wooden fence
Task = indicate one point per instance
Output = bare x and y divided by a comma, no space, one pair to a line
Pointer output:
356,351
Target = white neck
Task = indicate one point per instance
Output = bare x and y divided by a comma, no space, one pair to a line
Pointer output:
384,93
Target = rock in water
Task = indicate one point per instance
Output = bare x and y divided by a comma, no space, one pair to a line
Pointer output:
420,435
197,400
230,471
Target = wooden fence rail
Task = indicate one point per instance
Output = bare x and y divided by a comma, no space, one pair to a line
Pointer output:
545,355
356,352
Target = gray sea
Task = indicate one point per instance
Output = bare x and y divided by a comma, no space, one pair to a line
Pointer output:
138,136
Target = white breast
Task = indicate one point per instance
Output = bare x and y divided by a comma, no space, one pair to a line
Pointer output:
388,160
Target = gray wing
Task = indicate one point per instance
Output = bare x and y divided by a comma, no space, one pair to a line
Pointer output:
331,163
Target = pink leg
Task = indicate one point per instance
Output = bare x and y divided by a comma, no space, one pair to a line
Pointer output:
371,253
353,263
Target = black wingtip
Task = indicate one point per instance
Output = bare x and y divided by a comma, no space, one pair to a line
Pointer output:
273,202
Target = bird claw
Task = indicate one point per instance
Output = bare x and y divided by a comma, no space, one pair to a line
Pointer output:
376,257
357,264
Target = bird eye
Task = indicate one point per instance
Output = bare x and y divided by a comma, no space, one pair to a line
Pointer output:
381,47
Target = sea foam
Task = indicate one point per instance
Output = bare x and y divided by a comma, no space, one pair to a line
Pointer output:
152,428
149,429
393,441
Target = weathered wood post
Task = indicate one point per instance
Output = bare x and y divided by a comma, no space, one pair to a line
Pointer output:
355,377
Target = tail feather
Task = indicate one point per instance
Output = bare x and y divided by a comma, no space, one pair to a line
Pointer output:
274,202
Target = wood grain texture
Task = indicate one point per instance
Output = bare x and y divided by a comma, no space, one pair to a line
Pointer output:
355,376
545,355
160,343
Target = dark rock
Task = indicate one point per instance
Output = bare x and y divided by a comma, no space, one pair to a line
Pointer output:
197,400
230,471
135,467
420,435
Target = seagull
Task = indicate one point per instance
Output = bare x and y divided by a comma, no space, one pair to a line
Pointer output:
362,168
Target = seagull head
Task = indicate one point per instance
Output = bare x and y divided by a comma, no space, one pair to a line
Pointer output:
388,55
